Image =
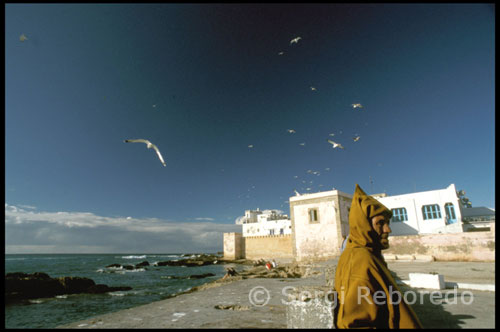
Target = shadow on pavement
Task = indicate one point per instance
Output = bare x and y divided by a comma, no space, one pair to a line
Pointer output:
431,312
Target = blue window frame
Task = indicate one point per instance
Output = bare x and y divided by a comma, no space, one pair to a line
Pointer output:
451,218
431,212
399,214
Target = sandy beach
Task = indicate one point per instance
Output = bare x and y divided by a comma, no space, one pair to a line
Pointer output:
261,302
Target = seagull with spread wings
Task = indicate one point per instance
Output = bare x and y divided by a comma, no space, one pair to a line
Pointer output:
291,131
357,105
295,40
335,145
149,146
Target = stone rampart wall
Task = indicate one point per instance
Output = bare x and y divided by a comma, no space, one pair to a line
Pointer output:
469,246
268,247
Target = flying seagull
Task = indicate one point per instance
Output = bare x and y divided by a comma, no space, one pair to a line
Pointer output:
335,145
302,144
23,37
250,146
357,105
355,139
149,146
291,131
295,40
281,53
313,88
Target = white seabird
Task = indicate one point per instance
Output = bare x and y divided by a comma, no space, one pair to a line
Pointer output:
295,40
335,145
313,88
149,146
357,105
302,144
355,139
250,146
23,37
281,53
291,131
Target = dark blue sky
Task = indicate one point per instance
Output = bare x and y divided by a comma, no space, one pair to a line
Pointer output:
88,76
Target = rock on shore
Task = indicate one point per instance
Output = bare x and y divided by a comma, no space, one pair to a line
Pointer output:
22,286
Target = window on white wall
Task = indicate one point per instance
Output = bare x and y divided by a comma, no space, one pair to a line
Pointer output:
451,218
313,216
399,214
431,212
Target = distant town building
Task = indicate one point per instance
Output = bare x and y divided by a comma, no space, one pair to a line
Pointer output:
263,223
477,218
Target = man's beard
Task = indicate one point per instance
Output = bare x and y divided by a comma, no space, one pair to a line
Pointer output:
384,241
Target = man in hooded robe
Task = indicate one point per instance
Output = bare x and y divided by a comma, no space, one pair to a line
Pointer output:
368,296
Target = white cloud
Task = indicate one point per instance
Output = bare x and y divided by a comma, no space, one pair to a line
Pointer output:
28,230
209,219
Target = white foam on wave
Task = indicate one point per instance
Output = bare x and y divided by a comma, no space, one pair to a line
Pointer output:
136,270
116,294
134,257
62,296
36,301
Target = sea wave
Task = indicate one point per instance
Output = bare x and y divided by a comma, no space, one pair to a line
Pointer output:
136,270
36,301
134,257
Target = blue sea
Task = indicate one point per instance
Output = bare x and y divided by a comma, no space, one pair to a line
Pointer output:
148,284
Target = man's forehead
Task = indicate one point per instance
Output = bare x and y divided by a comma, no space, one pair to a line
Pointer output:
381,217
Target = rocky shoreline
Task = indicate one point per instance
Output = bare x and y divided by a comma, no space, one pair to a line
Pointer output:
20,287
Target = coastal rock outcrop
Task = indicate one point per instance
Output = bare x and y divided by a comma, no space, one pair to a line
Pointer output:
22,286
129,267
193,260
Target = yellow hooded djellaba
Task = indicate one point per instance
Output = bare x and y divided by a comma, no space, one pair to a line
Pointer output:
367,293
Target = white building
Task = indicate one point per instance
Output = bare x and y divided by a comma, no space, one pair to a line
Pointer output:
263,223
426,212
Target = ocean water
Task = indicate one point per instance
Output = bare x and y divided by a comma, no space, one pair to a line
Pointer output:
148,285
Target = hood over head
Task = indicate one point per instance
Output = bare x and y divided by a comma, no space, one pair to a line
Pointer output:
363,209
